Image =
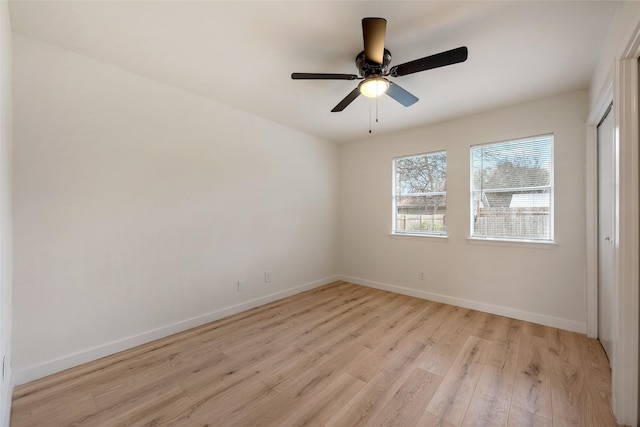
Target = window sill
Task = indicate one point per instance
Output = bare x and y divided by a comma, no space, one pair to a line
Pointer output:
441,237
535,244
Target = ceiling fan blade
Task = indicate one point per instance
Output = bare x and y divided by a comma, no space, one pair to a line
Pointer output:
441,59
373,33
346,101
322,76
401,95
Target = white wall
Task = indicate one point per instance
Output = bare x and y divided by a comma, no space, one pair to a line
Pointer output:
542,283
6,382
138,206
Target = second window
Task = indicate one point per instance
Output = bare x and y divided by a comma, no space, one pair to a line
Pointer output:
512,189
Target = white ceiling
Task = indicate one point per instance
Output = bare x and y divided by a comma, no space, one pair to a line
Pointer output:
243,53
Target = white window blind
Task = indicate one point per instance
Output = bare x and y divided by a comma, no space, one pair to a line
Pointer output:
420,194
512,189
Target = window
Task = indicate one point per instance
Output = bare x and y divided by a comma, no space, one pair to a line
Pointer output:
420,194
512,189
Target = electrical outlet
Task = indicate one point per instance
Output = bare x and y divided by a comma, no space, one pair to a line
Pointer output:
267,277
421,275
240,285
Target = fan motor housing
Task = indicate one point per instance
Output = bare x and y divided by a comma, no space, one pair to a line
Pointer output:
368,68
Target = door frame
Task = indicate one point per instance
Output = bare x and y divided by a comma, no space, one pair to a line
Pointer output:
622,88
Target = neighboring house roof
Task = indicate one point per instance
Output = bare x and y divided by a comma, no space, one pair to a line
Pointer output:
536,200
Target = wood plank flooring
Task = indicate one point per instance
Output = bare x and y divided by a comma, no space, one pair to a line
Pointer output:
338,355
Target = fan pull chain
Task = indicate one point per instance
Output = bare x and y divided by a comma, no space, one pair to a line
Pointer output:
370,113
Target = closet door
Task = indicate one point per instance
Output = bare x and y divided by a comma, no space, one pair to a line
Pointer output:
606,190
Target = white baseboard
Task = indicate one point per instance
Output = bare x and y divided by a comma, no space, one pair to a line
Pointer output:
41,370
555,322
5,403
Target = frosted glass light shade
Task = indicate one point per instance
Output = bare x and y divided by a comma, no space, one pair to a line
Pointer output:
373,88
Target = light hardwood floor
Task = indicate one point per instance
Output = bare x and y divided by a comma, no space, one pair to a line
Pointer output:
339,355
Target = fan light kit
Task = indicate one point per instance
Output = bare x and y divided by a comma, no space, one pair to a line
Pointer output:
373,66
373,88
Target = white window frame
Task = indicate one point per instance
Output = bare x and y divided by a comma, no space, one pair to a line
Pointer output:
394,231
551,186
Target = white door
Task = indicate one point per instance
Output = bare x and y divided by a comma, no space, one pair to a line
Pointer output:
605,232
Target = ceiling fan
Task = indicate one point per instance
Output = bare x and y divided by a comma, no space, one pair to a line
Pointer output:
373,66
